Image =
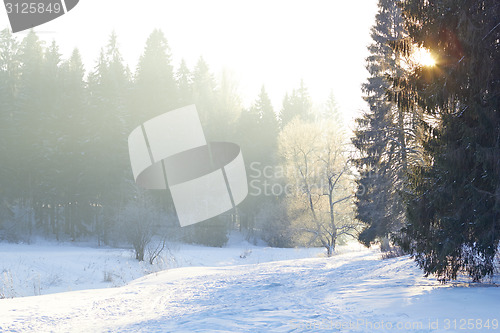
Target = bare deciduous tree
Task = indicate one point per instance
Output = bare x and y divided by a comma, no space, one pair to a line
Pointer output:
138,220
318,172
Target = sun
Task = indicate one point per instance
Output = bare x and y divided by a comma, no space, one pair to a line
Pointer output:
423,57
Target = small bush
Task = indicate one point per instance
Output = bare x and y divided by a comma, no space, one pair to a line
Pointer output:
108,276
6,285
393,252
138,221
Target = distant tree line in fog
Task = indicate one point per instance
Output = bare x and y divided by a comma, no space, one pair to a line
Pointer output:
65,171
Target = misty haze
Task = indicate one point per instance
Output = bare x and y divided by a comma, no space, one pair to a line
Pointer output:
223,166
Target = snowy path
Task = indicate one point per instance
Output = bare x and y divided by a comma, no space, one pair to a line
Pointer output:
354,289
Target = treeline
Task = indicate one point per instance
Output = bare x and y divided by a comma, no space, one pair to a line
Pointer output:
65,167
65,171
430,144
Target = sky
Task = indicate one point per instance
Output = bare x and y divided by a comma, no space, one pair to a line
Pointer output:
260,42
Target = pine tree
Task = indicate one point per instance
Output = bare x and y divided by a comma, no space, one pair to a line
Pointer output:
454,212
48,134
380,136
227,109
268,123
209,103
257,136
298,104
205,97
106,138
70,163
257,131
28,149
184,85
155,89
9,76
331,111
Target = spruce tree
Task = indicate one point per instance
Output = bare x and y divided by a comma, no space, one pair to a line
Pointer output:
268,124
49,135
205,96
258,136
155,89
9,76
331,111
454,212
208,101
184,85
106,136
298,104
29,150
227,108
380,136
71,161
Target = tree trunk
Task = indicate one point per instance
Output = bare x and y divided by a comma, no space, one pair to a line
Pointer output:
329,250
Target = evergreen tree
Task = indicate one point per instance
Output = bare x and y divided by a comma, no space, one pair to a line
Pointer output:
454,211
331,111
48,134
184,85
28,150
298,104
70,163
212,107
257,137
9,75
227,109
155,89
257,129
205,96
380,136
106,138
268,123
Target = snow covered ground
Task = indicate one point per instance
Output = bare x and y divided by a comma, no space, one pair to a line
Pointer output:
216,290
46,267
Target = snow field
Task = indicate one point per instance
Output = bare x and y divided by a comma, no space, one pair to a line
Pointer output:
354,291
